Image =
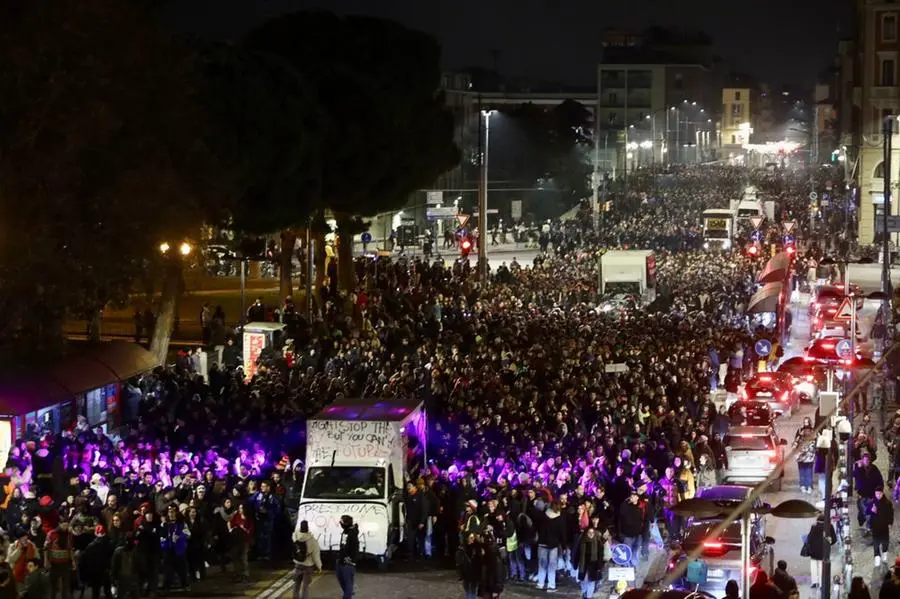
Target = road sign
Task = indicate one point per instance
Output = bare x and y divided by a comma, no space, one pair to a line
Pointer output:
763,348
434,198
844,349
844,311
756,236
788,239
366,237
621,554
813,196
617,574
893,224
789,226
828,185
462,219
756,221
440,213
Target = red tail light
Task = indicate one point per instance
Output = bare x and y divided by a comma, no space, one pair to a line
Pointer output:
714,549
765,377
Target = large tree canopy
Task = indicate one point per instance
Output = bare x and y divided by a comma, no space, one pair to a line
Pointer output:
266,126
101,158
545,148
388,130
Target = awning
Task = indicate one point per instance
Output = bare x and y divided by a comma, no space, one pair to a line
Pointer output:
80,374
20,398
766,299
125,360
776,270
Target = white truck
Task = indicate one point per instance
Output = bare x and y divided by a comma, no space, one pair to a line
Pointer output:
631,272
359,456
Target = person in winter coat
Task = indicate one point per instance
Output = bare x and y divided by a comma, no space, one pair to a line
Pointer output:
469,564
20,553
175,538
590,562
93,563
147,551
416,517
306,558
196,549
783,580
881,514
59,558
805,441
631,526
348,554
817,548
37,583
240,527
124,570
493,567
762,588
551,536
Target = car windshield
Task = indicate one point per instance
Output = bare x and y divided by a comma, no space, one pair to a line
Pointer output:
623,287
717,234
344,482
748,442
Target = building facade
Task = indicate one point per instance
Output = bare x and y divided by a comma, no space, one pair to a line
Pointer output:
736,122
876,95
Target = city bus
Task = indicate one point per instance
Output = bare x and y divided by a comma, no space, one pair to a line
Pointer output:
718,228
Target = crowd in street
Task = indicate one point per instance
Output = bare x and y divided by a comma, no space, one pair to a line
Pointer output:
543,454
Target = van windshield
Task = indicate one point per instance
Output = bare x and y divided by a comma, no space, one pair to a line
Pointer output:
345,482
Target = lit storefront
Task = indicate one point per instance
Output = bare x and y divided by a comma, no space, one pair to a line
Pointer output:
88,384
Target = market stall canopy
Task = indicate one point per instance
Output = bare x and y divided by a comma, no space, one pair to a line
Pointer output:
776,269
125,360
21,397
100,365
766,299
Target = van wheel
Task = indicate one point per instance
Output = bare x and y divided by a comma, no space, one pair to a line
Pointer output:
776,486
381,562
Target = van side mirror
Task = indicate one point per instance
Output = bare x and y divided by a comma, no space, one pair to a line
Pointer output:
770,541
782,442
397,496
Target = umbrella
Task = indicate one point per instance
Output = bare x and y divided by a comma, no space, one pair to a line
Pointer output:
698,508
794,508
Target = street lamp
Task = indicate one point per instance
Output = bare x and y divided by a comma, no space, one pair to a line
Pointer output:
483,200
704,508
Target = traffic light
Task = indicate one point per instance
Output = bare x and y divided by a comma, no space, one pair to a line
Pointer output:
465,246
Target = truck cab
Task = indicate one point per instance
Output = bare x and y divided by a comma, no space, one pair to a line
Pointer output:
360,454
629,272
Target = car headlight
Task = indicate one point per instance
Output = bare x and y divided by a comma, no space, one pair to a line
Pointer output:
706,245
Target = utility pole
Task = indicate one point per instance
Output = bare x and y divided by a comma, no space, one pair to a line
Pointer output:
595,177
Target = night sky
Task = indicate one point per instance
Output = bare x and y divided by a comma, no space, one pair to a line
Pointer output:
779,41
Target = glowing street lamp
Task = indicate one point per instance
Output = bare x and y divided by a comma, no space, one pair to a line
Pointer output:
184,248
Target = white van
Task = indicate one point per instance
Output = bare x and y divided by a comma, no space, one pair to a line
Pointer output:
359,456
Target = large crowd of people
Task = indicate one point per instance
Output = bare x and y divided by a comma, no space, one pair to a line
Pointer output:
543,454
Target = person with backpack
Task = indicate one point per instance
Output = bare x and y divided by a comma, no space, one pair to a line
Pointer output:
307,558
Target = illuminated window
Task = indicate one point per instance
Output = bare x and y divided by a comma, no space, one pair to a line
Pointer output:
737,96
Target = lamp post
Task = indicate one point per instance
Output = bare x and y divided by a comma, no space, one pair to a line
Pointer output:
704,508
886,210
483,200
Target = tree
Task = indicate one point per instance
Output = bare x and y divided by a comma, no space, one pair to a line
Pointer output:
101,159
388,130
265,128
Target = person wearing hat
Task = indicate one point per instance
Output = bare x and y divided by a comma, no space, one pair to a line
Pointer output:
93,563
470,521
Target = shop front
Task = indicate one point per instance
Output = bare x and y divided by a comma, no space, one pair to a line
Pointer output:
87,384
